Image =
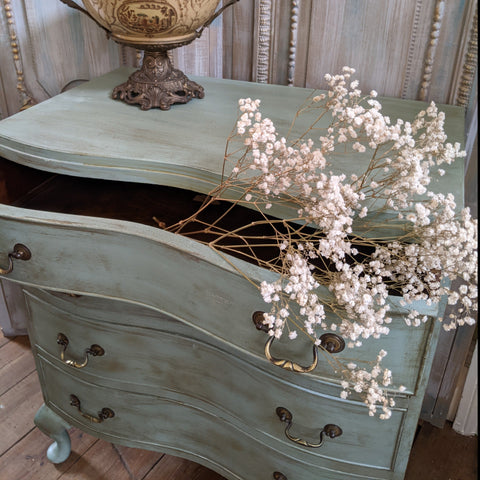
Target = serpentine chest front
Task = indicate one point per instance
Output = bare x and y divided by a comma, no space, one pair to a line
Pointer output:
145,338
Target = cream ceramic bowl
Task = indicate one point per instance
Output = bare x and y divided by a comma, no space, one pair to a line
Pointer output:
152,22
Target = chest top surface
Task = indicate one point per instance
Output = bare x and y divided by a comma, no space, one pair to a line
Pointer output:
83,132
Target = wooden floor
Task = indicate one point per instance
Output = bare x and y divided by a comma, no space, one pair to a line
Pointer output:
438,454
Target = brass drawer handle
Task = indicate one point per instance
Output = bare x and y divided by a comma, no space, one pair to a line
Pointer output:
257,318
329,430
94,350
104,414
330,342
279,476
20,252
288,364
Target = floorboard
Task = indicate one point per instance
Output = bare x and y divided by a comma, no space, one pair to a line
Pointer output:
170,468
4,340
27,459
18,359
100,462
438,454
442,454
138,462
19,405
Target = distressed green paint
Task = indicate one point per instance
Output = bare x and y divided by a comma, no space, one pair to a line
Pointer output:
52,425
184,368
178,277
83,132
210,376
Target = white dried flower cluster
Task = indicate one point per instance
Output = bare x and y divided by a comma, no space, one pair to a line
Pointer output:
372,384
299,289
446,249
280,167
363,296
336,271
439,247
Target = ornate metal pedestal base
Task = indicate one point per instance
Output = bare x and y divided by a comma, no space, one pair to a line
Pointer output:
157,84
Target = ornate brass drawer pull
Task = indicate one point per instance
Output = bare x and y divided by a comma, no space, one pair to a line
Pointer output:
104,414
20,252
94,350
257,318
331,342
329,430
279,476
288,364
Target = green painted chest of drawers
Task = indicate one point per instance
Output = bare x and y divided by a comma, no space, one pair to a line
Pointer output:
145,338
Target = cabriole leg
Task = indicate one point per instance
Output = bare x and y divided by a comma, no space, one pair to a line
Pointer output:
56,428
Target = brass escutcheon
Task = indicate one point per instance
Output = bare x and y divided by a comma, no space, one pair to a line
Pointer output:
258,318
332,343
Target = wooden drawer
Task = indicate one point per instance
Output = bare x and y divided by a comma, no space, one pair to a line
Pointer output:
172,360
182,279
173,423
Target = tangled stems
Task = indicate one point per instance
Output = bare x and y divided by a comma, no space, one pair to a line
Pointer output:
342,244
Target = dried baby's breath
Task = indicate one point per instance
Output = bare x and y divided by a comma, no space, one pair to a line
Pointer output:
323,243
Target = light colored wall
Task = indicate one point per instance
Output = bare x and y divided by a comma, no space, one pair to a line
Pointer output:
417,49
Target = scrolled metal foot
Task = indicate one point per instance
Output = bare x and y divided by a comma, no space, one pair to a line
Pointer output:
157,84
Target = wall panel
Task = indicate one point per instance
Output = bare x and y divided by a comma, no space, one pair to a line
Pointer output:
404,48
